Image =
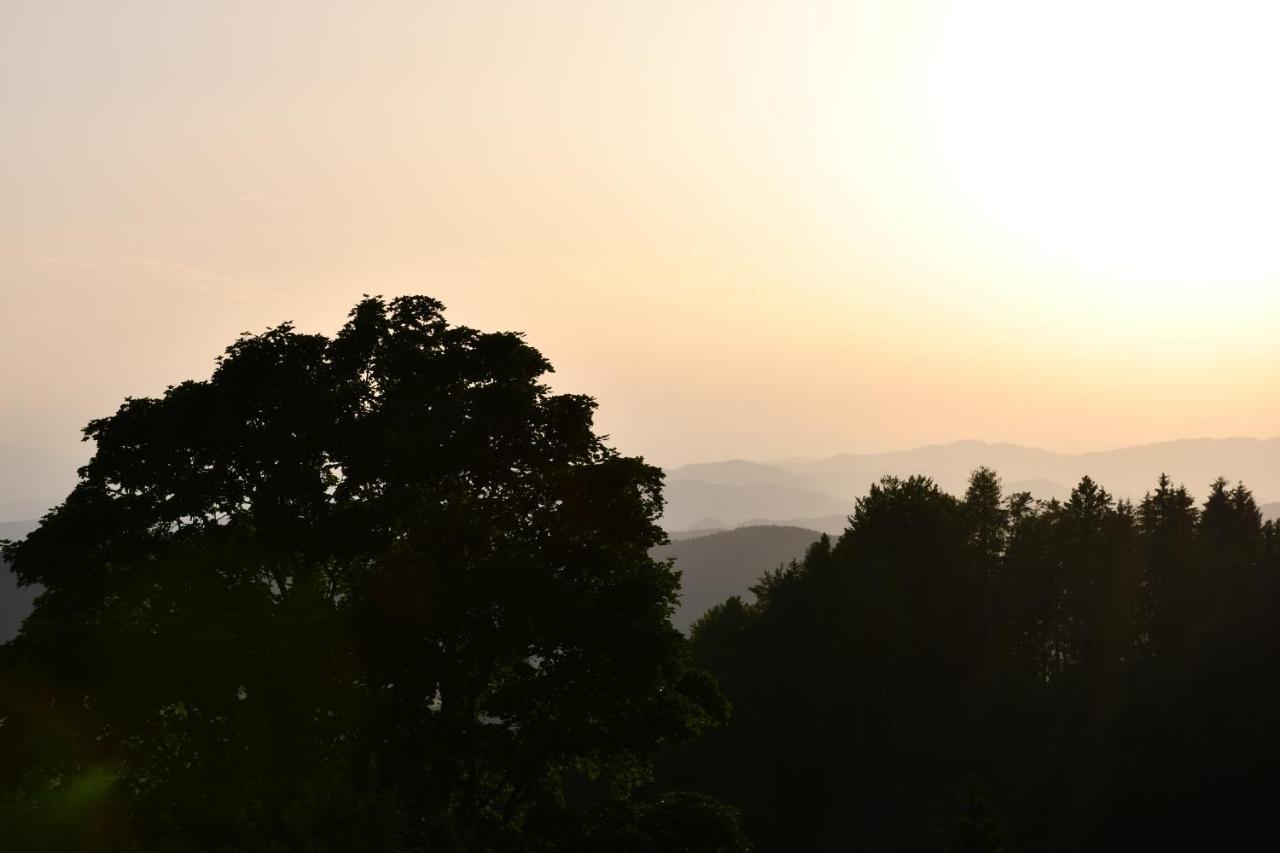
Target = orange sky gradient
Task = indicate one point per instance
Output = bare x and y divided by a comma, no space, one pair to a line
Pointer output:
749,229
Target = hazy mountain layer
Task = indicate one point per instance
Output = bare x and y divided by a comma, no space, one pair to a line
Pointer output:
718,491
704,505
1128,472
719,565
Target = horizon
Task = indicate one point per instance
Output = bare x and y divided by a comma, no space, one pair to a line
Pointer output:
1000,443
8,499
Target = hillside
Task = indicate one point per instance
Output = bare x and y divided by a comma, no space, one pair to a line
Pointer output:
718,565
699,504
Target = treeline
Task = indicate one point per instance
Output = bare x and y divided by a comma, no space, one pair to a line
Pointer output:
994,672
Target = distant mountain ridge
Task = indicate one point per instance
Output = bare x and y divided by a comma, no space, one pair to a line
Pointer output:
715,493
1127,471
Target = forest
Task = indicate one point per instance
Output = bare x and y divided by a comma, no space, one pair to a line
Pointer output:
385,591
991,672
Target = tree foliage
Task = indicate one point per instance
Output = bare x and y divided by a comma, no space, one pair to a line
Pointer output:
1083,674
376,591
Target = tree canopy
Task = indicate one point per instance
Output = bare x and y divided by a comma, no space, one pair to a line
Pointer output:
993,672
381,590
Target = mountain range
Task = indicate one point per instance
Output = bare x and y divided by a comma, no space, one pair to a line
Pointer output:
819,493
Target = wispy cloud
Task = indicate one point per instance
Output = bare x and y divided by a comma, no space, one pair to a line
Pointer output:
169,272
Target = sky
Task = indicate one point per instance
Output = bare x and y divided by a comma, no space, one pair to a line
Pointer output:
748,229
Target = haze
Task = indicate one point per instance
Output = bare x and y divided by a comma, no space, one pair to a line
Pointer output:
753,230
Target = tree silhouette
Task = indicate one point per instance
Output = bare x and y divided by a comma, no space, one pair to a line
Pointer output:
986,519
385,591
377,591
1086,674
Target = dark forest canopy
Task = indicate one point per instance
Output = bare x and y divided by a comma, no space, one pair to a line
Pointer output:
381,591
994,673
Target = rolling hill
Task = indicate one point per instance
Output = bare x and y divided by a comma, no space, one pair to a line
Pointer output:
718,565
698,504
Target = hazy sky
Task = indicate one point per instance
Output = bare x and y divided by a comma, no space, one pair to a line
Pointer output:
749,229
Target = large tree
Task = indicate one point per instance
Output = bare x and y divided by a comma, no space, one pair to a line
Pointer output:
373,591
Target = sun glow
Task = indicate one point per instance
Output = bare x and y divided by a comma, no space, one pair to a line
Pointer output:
1137,142
1054,221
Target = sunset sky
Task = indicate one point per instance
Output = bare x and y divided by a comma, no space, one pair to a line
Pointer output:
749,229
